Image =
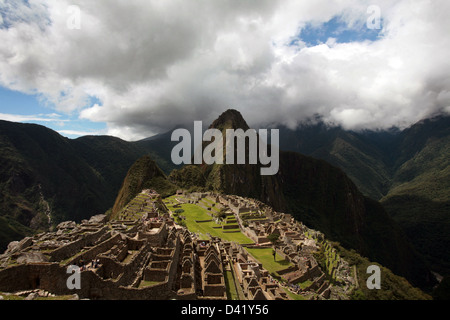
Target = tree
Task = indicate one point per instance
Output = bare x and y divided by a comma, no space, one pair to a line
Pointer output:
273,238
222,213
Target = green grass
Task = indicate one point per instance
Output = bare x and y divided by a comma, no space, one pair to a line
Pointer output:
11,297
305,284
144,283
294,296
264,255
195,213
231,287
231,220
207,201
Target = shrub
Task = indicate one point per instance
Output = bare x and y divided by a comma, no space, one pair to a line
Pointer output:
273,237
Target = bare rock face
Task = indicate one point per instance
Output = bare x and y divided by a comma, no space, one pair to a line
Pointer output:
66,225
31,257
16,246
75,297
50,244
12,246
32,296
100,218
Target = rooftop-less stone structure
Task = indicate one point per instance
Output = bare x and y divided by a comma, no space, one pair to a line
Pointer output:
144,254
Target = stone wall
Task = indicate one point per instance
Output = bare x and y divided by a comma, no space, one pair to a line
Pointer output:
53,277
73,248
27,277
156,239
214,290
131,269
95,251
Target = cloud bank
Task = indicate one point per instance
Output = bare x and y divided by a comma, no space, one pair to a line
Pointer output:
150,65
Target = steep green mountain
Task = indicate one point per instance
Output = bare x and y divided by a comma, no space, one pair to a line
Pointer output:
363,162
412,161
46,178
423,164
419,198
43,180
110,157
189,177
159,147
143,174
393,287
408,171
324,198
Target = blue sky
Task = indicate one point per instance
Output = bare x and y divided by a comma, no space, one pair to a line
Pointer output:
337,29
158,64
19,107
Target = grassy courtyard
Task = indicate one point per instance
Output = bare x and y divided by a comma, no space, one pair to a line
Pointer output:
264,255
194,215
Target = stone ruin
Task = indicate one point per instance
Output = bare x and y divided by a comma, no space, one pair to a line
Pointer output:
143,254
296,243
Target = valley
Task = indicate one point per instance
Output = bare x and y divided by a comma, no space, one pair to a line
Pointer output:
404,232
148,253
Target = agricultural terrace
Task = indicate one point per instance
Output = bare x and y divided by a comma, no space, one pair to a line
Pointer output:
264,255
198,219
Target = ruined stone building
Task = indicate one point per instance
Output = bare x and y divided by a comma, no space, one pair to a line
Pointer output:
144,254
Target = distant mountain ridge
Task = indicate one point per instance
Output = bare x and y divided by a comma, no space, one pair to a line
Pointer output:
318,194
78,178
45,175
408,171
372,159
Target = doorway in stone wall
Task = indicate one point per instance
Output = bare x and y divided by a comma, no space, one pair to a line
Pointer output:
36,282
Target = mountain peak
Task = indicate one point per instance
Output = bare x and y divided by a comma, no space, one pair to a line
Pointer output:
230,119
143,174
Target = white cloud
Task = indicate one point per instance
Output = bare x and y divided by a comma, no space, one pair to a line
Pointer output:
155,64
78,133
27,118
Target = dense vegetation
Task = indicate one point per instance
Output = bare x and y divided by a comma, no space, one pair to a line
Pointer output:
408,171
43,175
324,198
46,178
393,287
143,174
189,178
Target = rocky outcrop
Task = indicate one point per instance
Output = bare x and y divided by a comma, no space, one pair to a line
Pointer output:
144,174
324,198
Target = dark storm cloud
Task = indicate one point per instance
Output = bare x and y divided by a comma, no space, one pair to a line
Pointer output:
153,65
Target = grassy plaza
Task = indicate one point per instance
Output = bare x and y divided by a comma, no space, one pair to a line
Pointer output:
199,221
265,256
